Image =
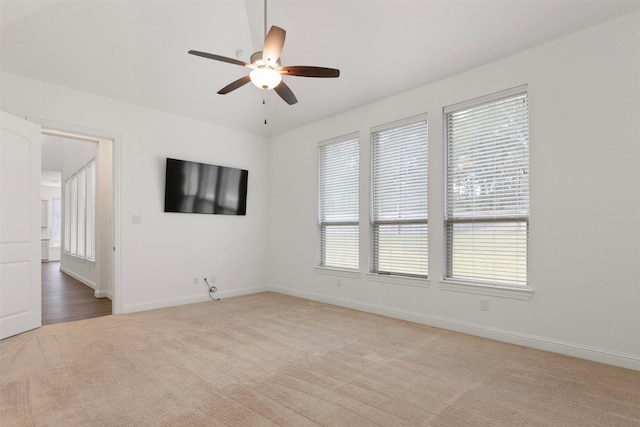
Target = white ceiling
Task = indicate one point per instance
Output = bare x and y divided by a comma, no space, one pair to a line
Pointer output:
136,51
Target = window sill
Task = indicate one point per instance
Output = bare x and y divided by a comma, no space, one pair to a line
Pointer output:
332,271
498,291
399,280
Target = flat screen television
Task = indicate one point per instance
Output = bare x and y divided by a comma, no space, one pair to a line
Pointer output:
192,187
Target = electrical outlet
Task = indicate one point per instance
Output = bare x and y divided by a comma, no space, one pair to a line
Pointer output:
339,283
195,281
212,279
484,304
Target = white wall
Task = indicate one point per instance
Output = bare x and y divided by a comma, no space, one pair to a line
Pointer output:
52,153
161,255
104,219
584,126
49,193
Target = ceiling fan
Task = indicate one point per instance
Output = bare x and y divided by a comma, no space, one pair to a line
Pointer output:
267,70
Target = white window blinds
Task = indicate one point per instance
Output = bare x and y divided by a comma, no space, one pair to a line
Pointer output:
487,189
67,215
339,204
73,215
90,252
400,198
56,238
80,213
82,210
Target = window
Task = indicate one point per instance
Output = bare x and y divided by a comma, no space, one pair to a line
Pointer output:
82,210
90,249
338,218
67,215
57,220
487,189
73,215
399,198
79,212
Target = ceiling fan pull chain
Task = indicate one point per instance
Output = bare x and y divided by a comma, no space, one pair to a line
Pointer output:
264,103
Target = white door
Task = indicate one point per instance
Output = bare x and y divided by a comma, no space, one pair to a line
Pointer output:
20,297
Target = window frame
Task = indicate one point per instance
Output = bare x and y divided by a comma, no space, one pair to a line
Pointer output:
81,216
56,228
91,214
374,252
321,261
73,216
475,285
66,210
77,227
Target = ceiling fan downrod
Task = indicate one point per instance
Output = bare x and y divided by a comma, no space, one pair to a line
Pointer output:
265,20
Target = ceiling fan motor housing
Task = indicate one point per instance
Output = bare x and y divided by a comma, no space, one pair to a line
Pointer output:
257,60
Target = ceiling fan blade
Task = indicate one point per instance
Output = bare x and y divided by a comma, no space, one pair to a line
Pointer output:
220,58
285,93
304,71
234,85
273,44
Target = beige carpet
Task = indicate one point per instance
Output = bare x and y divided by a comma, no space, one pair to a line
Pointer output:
269,359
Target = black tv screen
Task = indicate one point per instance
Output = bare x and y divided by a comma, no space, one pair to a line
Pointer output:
192,187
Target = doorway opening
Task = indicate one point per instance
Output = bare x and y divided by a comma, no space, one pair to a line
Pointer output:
84,267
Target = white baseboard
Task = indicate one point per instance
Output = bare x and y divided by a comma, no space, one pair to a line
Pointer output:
97,292
79,278
103,294
132,308
623,360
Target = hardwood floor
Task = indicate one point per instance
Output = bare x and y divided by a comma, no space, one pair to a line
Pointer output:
65,299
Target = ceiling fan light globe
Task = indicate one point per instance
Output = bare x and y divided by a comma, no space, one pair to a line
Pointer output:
265,78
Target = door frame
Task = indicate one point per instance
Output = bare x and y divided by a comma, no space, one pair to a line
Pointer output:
51,126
